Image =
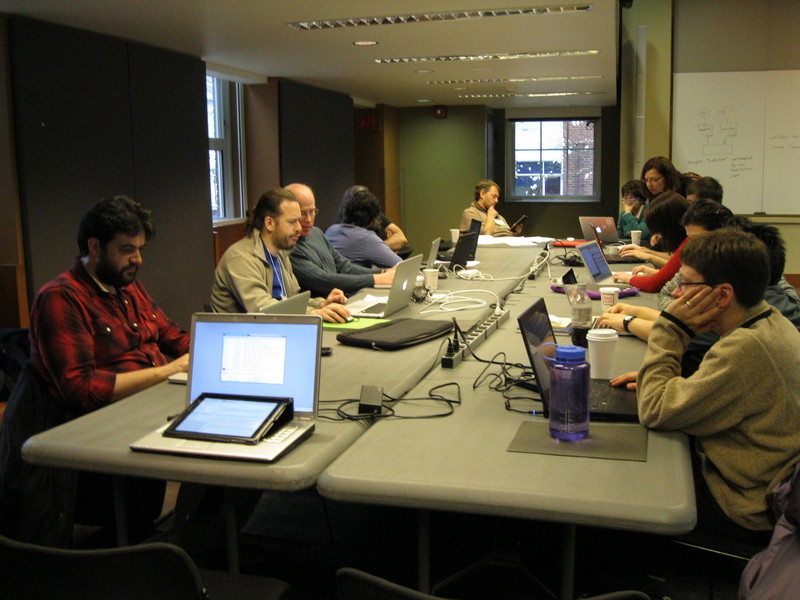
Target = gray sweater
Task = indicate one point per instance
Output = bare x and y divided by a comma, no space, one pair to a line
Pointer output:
319,267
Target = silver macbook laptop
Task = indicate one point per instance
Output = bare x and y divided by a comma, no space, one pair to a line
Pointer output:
608,403
249,356
434,252
602,228
595,262
295,305
405,278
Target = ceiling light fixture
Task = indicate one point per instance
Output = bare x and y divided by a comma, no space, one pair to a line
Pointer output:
514,80
542,95
480,57
437,16
365,43
424,100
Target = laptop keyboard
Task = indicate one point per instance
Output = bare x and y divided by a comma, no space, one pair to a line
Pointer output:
601,396
281,434
375,309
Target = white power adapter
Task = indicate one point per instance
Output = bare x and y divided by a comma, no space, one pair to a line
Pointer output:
469,273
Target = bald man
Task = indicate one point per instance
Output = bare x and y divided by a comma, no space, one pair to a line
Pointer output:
318,266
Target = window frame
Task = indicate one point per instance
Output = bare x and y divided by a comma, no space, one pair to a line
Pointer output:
511,153
230,184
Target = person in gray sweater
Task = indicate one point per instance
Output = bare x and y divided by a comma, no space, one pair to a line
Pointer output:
318,266
741,404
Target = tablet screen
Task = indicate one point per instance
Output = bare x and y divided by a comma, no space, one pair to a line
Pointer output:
217,417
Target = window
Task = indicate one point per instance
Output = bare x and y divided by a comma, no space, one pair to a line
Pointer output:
225,146
553,160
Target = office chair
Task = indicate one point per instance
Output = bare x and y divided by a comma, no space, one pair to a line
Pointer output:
153,571
353,584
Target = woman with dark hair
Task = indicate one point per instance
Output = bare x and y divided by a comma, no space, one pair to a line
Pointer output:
389,232
660,175
664,218
354,236
634,209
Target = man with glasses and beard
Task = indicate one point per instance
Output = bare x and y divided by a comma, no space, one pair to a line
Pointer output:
97,337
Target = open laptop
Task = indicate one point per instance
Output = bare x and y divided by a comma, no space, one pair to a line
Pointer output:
434,252
249,355
294,305
595,262
405,278
609,403
600,235
465,249
602,228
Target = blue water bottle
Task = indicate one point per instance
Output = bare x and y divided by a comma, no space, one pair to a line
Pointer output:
570,392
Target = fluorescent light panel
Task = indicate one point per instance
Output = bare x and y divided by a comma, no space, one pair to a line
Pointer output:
513,80
481,57
522,95
436,16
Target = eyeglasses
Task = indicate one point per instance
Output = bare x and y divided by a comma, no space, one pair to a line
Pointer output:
630,199
684,284
653,179
309,214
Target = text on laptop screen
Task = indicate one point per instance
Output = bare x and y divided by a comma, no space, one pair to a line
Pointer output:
256,359
594,260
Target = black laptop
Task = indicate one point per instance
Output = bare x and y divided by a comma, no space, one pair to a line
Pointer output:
465,250
609,403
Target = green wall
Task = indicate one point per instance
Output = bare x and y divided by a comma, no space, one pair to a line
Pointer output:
441,160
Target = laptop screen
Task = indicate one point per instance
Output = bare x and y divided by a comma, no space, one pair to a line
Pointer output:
256,355
595,262
536,330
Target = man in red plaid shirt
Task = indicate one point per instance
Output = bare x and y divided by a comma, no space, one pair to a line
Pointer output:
96,334
97,337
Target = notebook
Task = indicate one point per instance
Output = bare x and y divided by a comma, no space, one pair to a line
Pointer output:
250,355
609,403
405,278
595,262
294,305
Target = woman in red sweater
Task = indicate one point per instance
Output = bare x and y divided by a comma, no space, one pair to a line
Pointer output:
663,219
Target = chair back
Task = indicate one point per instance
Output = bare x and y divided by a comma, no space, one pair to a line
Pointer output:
153,571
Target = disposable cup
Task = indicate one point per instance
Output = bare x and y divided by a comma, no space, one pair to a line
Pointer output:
636,237
431,279
454,233
602,345
608,297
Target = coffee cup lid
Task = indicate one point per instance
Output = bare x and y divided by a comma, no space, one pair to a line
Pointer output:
602,335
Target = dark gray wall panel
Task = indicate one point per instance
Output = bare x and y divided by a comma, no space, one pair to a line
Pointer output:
317,143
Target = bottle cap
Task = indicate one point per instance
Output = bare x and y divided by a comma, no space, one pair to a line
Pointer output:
571,353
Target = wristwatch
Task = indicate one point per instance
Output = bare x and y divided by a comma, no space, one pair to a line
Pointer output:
626,322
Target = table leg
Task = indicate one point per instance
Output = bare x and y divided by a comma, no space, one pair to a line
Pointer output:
423,551
231,531
568,563
120,511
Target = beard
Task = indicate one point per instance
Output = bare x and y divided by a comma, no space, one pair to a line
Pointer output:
112,276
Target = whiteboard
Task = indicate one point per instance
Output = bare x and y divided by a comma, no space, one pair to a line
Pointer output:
742,128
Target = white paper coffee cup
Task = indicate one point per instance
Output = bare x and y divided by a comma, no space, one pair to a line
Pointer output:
608,297
454,233
431,279
602,345
636,237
